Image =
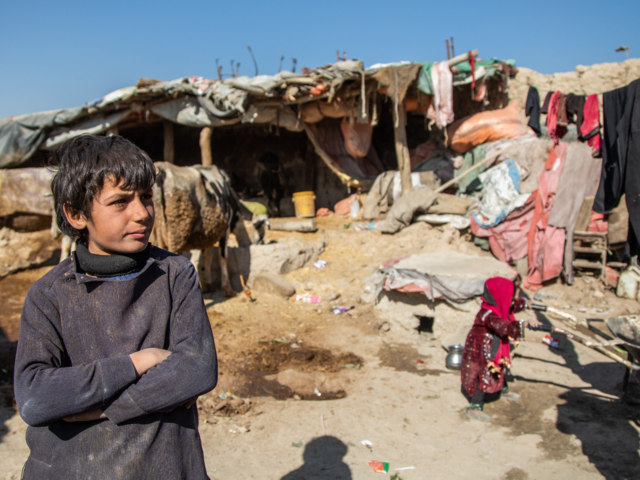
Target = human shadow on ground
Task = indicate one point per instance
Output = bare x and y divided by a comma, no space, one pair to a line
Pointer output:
322,460
602,423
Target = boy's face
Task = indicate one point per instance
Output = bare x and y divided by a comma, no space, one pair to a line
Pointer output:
121,220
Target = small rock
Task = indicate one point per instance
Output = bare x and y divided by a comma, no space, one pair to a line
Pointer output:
598,294
273,284
333,297
384,327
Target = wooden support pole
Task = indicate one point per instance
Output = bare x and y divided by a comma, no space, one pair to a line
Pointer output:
205,146
402,149
169,146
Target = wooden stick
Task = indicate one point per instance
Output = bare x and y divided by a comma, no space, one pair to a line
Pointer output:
205,146
402,149
455,180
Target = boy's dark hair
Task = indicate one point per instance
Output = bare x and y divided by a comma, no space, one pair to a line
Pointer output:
83,165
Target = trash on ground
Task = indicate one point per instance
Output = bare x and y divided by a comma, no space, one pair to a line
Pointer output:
403,468
320,263
367,443
379,467
355,366
307,298
317,392
341,310
297,444
552,342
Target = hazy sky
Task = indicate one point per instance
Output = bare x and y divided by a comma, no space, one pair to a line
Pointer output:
65,53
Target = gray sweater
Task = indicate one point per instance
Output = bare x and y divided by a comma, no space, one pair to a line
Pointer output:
76,335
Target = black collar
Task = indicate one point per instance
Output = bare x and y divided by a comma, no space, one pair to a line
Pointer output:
106,266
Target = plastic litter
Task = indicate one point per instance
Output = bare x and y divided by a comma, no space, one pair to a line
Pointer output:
297,444
307,298
320,263
317,392
367,443
403,468
341,310
295,345
552,342
379,467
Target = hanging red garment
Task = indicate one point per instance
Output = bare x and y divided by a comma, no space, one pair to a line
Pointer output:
590,128
546,243
556,130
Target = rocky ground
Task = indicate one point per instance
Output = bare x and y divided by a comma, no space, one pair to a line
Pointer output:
304,388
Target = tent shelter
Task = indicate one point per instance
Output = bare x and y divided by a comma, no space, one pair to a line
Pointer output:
341,119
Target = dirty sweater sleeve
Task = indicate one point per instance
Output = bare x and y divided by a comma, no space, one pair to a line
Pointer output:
47,387
190,370
503,328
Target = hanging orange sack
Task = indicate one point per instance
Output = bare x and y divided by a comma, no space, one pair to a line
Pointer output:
484,127
357,138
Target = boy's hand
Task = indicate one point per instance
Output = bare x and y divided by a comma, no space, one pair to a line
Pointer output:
148,358
96,414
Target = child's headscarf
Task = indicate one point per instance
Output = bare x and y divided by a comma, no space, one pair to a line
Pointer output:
497,297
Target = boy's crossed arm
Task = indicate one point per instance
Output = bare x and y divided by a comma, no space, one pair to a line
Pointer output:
142,361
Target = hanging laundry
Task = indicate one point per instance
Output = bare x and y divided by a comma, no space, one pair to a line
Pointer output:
590,128
556,130
579,179
562,119
441,109
575,109
532,110
545,104
545,242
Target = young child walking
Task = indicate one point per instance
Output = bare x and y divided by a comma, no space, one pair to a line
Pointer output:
115,344
487,350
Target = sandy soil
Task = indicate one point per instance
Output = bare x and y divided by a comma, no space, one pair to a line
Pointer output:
390,389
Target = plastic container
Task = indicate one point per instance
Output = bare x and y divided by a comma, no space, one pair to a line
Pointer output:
305,204
628,283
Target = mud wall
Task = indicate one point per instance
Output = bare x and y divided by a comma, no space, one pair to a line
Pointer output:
584,80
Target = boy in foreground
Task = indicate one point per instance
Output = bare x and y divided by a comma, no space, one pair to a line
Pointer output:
115,343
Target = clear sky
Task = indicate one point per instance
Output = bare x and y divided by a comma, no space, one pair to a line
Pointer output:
58,54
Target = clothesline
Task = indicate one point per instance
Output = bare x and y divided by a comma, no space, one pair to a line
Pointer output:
540,88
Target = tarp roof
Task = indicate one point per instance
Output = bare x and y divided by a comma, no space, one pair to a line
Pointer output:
200,102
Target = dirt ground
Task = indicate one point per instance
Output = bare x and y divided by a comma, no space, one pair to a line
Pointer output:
300,388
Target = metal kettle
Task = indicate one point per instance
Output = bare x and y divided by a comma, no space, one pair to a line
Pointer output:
454,358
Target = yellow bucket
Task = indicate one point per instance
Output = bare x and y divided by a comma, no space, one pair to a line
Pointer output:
305,204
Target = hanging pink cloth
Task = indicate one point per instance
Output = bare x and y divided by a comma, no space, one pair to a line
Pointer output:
441,109
590,128
546,243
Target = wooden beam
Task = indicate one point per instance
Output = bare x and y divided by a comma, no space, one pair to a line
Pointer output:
205,146
169,145
402,149
462,58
